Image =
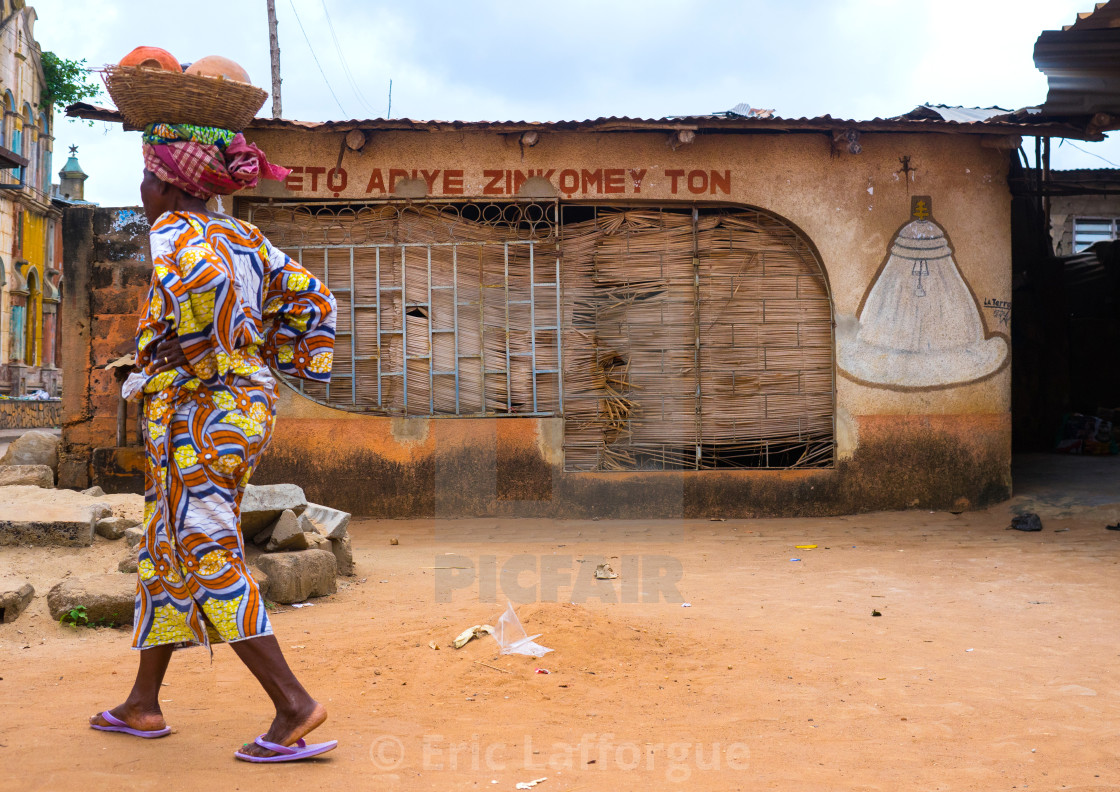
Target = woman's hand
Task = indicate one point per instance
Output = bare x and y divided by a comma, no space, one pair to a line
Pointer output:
168,355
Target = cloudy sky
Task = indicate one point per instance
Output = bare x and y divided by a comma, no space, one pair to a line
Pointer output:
501,60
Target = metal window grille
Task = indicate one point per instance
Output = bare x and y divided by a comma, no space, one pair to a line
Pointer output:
1089,230
668,337
444,309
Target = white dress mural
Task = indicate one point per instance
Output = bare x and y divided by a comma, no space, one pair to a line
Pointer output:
920,326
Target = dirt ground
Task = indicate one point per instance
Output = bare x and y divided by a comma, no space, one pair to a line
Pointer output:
993,664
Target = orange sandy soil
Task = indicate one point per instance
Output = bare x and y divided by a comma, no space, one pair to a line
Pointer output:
993,666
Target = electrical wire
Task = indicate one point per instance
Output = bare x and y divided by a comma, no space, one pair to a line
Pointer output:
342,60
316,59
1091,154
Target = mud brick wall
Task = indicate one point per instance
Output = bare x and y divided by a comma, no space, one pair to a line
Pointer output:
30,414
106,274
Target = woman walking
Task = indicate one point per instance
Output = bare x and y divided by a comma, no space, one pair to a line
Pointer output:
223,307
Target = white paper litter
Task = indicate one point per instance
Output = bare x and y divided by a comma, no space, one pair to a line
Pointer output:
512,639
466,635
530,784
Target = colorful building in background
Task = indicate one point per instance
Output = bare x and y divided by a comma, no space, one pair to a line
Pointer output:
30,253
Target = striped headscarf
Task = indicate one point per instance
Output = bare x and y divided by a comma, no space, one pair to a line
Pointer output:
205,161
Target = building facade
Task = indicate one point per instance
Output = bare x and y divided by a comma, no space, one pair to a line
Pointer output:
621,317
30,254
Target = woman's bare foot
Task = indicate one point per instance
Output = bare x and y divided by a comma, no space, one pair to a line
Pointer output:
290,726
135,717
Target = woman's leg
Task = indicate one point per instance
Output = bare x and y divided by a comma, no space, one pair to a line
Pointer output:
296,712
141,709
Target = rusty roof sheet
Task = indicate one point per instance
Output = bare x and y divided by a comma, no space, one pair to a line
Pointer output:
1017,123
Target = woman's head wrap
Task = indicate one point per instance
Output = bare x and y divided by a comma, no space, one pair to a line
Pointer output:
205,161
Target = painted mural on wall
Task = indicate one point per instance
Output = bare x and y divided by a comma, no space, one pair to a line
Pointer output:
919,326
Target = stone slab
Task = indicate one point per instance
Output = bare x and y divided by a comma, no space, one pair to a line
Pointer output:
37,516
331,523
294,577
108,599
343,555
262,505
14,599
26,476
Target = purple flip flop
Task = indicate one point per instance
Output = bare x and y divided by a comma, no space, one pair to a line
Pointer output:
288,753
117,725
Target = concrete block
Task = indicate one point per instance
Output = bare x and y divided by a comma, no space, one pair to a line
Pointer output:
114,527
14,599
331,523
261,506
34,447
108,599
34,516
287,533
129,563
262,581
26,476
293,577
133,536
343,555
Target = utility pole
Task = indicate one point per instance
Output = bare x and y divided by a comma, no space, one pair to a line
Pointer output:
274,50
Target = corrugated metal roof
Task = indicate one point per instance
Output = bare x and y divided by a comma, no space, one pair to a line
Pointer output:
1018,123
962,115
1082,67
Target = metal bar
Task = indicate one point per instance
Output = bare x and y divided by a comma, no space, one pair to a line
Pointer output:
559,335
377,300
431,347
482,326
353,338
505,284
696,332
533,326
404,329
455,321
394,245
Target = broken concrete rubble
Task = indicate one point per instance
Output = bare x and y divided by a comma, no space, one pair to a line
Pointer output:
331,523
108,599
133,536
293,577
26,476
291,533
262,505
14,599
343,555
36,447
114,527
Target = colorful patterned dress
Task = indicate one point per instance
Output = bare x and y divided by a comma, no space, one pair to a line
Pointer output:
237,305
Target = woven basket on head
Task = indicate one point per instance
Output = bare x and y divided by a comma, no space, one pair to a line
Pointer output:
149,96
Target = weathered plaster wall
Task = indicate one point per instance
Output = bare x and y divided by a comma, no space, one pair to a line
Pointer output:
941,447
106,276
